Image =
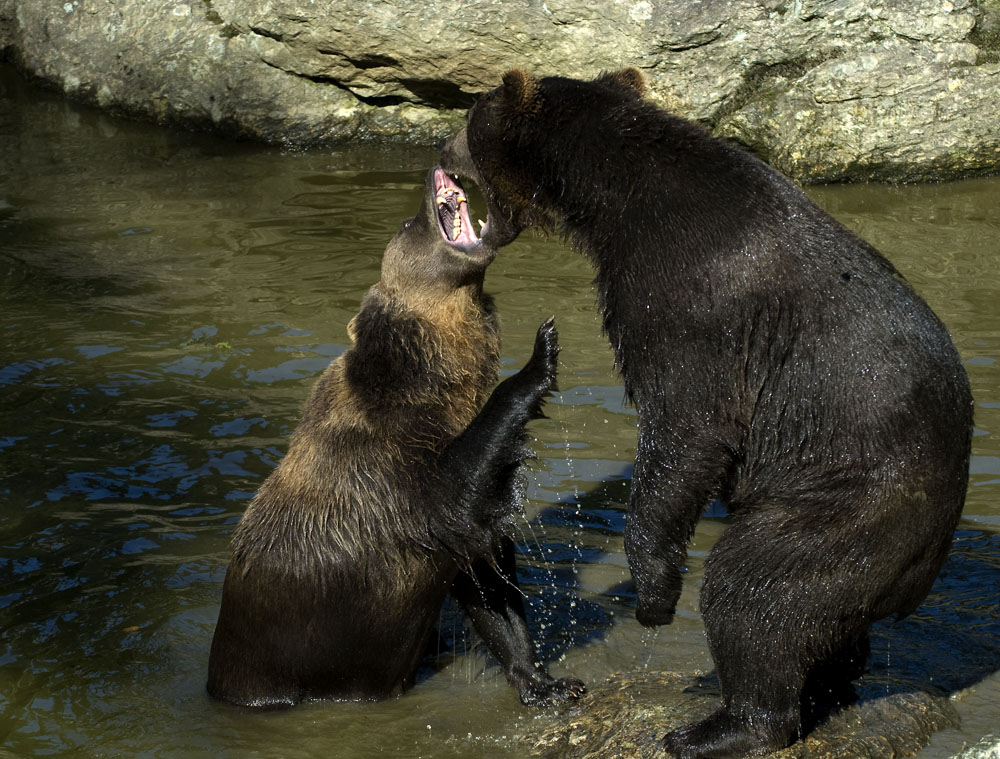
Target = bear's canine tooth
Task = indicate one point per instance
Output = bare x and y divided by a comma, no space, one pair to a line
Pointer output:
481,223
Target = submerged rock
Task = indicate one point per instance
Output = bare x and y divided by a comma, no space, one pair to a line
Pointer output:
625,717
824,89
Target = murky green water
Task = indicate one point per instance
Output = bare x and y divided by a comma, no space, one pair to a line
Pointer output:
167,299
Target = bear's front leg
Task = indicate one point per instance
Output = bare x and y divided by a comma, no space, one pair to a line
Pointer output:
480,465
490,595
671,485
654,562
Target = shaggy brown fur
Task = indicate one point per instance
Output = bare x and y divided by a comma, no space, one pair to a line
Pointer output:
398,487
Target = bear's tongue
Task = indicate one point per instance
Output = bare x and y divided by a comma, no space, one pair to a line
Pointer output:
452,210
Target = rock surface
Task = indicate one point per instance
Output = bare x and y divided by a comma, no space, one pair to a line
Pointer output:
987,748
823,89
625,717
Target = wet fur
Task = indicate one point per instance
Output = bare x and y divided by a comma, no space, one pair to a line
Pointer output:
399,486
777,362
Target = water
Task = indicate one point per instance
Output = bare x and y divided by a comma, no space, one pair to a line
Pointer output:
167,299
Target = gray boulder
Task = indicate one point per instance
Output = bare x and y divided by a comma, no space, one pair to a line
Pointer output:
823,89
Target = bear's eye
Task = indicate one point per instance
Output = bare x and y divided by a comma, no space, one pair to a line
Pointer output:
407,224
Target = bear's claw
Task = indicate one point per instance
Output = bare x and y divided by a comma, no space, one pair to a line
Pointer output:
547,691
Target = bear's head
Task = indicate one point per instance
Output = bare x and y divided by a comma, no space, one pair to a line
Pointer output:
520,140
436,251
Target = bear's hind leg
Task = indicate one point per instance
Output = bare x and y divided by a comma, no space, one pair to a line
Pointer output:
830,682
770,703
761,709
725,735
778,601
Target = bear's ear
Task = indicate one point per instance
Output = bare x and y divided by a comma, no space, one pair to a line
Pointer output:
520,89
630,78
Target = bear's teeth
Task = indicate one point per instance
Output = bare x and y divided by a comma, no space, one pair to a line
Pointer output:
482,224
449,193
456,227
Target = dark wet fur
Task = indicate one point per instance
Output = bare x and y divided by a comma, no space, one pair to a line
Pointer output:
778,363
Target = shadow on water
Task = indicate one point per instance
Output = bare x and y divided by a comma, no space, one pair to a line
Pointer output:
559,541
952,641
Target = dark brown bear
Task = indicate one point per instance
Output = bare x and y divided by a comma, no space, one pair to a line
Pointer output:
398,488
777,362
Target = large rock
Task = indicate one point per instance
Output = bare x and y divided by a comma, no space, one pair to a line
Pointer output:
824,89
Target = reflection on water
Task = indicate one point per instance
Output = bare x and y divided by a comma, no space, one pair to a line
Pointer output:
166,300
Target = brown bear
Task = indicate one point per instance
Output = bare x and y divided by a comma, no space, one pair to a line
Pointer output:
778,364
399,487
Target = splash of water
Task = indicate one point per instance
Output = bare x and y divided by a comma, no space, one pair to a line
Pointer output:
649,644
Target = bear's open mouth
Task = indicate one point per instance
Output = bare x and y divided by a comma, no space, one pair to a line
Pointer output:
453,210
